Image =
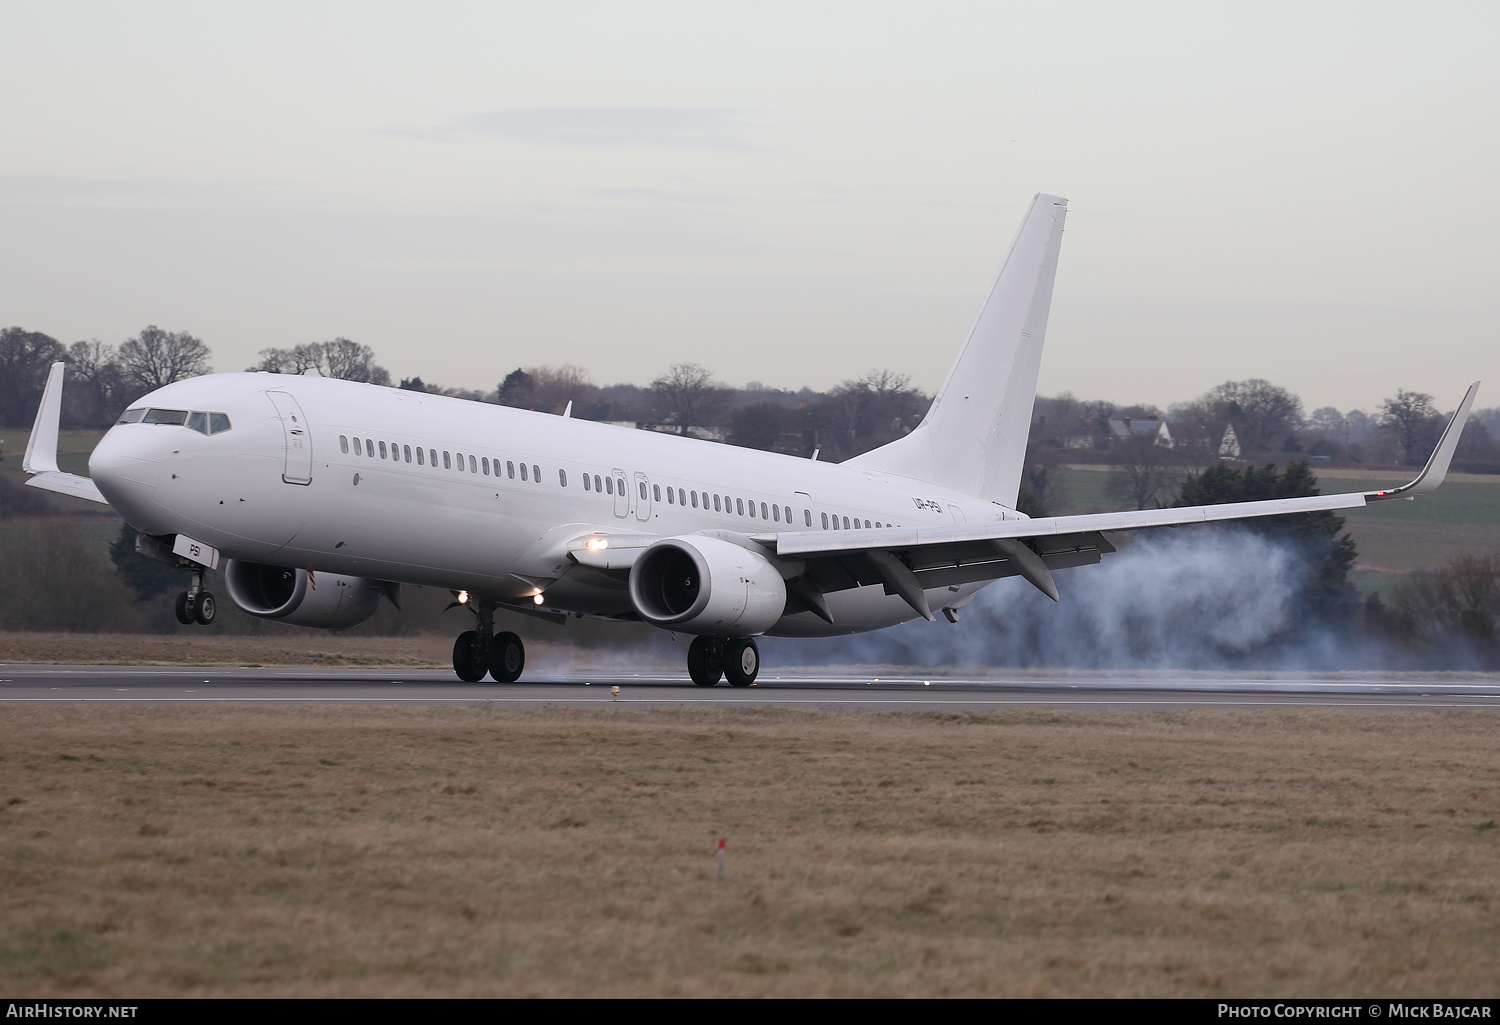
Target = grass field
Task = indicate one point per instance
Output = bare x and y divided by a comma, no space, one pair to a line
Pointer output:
394,852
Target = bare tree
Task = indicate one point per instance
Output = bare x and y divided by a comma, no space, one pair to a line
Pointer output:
297,360
25,358
1144,471
1413,421
1263,414
689,394
97,387
350,361
340,358
155,358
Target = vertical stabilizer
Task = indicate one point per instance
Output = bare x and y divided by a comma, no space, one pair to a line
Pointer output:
973,439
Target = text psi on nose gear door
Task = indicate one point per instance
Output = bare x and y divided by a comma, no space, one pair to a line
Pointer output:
298,468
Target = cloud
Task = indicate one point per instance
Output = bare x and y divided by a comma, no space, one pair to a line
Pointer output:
601,127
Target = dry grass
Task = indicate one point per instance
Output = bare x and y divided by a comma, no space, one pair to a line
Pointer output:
373,851
216,649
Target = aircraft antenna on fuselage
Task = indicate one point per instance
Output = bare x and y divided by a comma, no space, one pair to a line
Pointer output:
973,439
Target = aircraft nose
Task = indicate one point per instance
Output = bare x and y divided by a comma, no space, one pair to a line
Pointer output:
125,466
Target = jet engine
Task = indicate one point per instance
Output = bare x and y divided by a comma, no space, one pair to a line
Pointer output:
704,585
300,597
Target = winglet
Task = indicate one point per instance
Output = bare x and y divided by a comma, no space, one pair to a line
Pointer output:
41,448
1436,469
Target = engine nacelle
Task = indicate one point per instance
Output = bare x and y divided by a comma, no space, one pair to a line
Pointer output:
299,597
703,585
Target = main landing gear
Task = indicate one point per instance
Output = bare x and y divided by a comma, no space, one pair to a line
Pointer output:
476,652
195,605
736,658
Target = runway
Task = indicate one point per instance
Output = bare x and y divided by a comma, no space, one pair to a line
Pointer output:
901,692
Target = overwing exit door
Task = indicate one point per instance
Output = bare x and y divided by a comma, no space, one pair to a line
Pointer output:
294,428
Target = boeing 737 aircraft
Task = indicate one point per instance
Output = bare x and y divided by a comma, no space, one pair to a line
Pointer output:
318,497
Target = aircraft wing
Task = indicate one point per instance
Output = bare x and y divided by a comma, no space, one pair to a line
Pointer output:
910,560
41,449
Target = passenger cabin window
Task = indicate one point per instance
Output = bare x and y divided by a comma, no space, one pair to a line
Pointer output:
536,473
473,465
656,492
406,451
447,461
643,490
523,471
596,482
382,450
484,464
432,457
776,513
357,449
562,477
670,499
510,469
609,484
344,443
739,504
695,499
369,449
419,456
807,515
716,503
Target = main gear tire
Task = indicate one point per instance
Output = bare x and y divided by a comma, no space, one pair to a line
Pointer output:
469,657
741,661
507,658
705,661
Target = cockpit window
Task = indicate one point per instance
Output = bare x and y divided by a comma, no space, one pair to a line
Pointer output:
203,423
166,416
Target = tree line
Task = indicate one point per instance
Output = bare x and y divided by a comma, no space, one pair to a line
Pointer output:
1267,421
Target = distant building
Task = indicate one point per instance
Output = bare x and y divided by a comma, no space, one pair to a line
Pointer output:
1121,428
1229,447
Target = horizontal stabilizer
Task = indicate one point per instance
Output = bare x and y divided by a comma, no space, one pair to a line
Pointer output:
69,484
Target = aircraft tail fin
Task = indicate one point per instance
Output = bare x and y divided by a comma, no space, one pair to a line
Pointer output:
973,439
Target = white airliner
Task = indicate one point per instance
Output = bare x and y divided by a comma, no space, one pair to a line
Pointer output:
319,497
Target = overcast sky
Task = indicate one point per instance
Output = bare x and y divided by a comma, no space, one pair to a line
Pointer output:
794,194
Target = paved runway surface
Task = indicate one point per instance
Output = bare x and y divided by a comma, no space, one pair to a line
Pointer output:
134,684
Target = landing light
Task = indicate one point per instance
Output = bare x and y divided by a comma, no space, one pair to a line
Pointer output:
598,544
537,598
463,597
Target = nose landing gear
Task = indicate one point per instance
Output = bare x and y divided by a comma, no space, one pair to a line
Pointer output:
710,658
195,605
